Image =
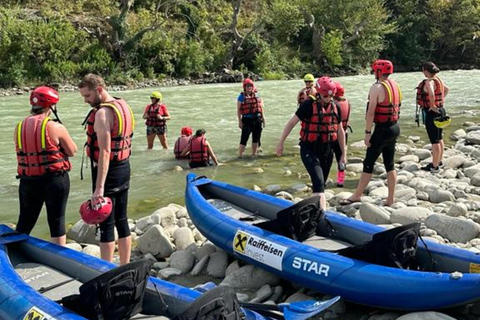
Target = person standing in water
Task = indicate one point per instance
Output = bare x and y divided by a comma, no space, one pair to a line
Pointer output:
345,109
384,101
43,146
156,116
308,90
431,94
251,117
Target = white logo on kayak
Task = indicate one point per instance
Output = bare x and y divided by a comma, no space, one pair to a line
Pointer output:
310,266
259,249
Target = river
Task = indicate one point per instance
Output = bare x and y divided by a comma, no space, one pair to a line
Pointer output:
212,107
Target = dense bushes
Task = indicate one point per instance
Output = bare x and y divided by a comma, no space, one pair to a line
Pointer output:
61,40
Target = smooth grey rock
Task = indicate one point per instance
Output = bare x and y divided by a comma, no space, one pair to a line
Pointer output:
155,241
422,154
301,187
167,273
182,260
428,315
92,250
355,167
217,265
409,158
197,269
284,195
437,195
458,209
409,215
277,294
374,214
384,316
454,229
183,237
83,233
262,294
473,137
272,189
232,267
74,246
458,134
250,277
207,249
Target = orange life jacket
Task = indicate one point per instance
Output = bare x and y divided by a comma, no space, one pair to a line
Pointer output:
198,149
323,125
180,145
303,95
388,110
36,153
251,104
121,135
439,93
152,111
344,111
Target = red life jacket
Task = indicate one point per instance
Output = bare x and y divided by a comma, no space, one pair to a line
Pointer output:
303,95
121,135
36,153
152,111
251,104
180,145
422,96
344,111
388,110
198,149
323,125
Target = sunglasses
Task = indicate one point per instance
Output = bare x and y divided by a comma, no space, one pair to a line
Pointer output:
308,81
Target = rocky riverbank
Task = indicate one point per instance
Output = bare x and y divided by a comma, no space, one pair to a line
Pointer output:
447,204
224,76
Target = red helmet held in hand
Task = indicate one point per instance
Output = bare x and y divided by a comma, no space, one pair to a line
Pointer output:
381,67
340,90
325,87
98,214
44,97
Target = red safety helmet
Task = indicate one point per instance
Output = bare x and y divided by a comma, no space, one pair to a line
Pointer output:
186,131
381,67
44,97
247,81
325,87
340,90
96,215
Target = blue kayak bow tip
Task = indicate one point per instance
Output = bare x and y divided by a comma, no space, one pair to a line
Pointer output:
302,310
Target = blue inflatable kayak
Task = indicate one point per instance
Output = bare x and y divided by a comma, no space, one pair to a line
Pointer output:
35,273
230,217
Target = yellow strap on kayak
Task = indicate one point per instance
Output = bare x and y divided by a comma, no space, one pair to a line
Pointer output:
19,134
44,132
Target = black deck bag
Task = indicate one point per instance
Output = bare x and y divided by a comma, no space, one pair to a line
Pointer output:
219,303
298,222
395,247
115,295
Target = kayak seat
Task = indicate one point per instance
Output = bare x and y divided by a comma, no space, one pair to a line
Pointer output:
326,243
115,295
298,222
396,247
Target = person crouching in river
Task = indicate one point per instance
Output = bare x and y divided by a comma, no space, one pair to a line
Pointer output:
182,142
156,116
199,151
321,127
251,117
431,94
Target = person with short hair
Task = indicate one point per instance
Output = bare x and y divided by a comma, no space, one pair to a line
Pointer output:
156,116
199,151
43,147
431,94
383,110
110,126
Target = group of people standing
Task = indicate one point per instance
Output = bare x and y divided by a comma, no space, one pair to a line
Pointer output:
43,144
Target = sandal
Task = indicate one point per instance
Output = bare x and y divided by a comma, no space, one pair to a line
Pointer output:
347,201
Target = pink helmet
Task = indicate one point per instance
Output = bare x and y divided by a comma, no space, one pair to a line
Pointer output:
247,81
96,215
186,131
325,86
381,67
44,97
340,90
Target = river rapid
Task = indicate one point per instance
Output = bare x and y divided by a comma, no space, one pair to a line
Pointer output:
156,183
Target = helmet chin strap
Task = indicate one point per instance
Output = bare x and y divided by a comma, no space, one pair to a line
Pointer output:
54,111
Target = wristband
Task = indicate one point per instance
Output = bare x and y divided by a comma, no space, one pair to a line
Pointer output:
368,132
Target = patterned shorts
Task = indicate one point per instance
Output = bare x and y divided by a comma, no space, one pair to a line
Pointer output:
156,130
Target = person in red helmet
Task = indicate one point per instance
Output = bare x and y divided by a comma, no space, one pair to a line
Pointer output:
43,146
199,151
321,127
182,142
251,117
383,110
345,108
110,126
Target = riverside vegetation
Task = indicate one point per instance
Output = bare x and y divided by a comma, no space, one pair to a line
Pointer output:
126,41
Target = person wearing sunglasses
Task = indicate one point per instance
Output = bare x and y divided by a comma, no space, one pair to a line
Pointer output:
308,90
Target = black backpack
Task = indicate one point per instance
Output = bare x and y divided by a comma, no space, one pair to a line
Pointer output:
298,222
219,303
115,295
396,247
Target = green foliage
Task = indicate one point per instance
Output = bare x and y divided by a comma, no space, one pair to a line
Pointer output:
332,46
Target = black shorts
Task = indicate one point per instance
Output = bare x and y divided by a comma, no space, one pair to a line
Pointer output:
317,159
156,130
434,134
117,184
251,126
51,189
382,142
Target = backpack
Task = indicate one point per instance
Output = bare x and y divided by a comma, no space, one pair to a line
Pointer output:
395,247
298,222
219,303
115,295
